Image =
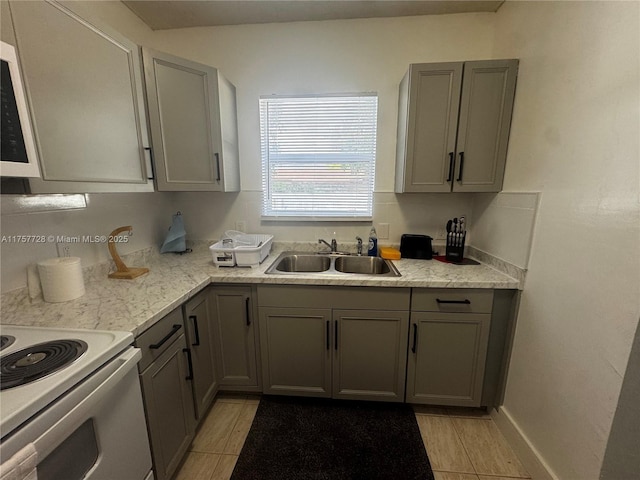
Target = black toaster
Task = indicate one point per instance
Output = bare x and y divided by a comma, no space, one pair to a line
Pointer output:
416,246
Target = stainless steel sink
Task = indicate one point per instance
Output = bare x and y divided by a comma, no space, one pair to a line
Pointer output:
364,265
302,263
292,263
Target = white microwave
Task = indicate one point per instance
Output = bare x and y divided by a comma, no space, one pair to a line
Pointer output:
19,156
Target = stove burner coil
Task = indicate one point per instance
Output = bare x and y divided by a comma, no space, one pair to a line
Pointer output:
37,361
6,341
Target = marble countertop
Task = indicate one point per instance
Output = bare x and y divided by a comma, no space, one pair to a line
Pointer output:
135,305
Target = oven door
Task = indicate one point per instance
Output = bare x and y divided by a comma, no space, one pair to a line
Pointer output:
95,431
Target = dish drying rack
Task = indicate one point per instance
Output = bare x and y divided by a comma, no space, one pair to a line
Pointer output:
241,249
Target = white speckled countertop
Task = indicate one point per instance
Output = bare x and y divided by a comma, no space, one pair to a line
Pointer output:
135,305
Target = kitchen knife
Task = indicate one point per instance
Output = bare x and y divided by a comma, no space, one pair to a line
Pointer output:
455,231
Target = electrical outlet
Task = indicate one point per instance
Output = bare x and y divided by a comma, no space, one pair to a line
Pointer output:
65,249
383,231
241,226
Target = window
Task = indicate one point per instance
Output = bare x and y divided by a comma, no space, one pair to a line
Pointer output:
318,156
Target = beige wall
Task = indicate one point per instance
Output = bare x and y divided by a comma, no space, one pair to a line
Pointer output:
343,56
575,138
148,213
332,56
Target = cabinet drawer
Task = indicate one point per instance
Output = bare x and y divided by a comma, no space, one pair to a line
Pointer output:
452,300
300,296
162,335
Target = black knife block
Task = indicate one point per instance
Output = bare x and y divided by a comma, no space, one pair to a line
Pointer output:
455,246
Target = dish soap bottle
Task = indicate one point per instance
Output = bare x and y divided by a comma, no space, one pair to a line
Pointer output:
373,243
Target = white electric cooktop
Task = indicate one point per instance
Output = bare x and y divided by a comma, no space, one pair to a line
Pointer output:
34,352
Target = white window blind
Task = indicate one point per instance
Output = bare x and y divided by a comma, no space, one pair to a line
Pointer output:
318,156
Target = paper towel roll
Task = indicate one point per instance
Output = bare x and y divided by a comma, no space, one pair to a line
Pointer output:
61,279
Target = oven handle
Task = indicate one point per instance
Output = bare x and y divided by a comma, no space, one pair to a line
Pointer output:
94,387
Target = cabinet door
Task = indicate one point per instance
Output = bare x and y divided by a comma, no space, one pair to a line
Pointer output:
182,99
84,85
447,353
169,407
188,107
296,351
370,354
234,330
428,116
200,343
485,119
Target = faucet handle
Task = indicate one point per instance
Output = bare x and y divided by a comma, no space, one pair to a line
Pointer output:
359,245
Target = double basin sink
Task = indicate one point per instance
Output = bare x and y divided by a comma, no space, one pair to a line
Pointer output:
295,262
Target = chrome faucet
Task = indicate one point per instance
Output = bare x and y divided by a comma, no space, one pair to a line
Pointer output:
359,246
333,246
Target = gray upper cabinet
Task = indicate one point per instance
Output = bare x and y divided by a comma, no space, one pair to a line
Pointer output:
84,86
192,114
453,126
427,125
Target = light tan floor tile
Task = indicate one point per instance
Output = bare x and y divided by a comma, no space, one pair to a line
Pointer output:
428,410
217,427
231,397
488,450
465,412
241,429
488,477
456,476
198,466
225,467
444,449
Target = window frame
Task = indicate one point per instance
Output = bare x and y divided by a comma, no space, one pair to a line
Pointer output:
266,178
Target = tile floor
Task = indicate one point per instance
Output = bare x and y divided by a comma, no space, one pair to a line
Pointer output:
462,444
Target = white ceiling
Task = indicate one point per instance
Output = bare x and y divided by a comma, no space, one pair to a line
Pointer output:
164,14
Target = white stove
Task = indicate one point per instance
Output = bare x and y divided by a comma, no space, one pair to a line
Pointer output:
80,387
22,402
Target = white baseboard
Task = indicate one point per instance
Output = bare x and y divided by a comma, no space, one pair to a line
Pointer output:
520,444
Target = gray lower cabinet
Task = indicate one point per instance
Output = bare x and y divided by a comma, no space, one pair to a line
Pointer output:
448,346
340,342
233,313
167,392
296,351
370,354
200,342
